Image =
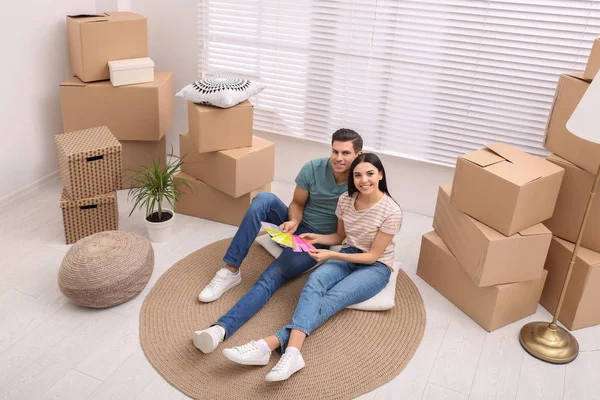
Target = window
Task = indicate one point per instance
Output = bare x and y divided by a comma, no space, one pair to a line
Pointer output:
421,79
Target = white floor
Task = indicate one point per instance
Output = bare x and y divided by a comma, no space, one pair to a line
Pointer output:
52,349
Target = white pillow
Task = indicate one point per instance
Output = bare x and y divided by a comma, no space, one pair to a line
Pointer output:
220,91
383,300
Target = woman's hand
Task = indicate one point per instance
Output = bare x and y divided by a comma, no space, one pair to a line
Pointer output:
311,238
321,255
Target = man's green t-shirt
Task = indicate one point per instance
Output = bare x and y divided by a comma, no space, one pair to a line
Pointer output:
316,176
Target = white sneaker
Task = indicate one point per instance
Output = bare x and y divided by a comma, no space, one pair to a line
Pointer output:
288,364
248,354
208,339
222,282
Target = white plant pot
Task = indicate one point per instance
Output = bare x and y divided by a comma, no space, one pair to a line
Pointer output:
160,231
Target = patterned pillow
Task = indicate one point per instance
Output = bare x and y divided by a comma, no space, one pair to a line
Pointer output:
220,91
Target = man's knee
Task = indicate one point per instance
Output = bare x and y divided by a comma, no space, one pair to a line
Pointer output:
264,198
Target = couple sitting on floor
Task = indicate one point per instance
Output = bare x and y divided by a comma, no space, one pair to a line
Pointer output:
342,199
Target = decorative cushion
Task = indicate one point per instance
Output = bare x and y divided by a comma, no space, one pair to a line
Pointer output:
383,300
106,269
219,91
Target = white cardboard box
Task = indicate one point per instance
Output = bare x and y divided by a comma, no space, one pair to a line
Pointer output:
131,71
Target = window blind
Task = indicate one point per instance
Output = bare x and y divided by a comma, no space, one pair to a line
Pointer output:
422,79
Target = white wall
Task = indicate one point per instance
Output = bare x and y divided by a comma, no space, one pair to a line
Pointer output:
35,60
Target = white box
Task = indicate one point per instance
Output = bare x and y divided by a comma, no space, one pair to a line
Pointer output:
131,71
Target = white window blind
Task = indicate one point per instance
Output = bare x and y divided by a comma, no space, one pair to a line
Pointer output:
422,79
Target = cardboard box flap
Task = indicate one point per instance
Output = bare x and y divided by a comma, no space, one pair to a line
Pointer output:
482,157
73,81
518,174
577,75
588,256
538,229
508,153
559,160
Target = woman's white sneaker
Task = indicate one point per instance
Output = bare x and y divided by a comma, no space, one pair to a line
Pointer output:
248,354
223,281
289,363
208,339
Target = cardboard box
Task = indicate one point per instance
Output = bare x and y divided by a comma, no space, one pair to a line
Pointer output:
209,203
89,161
558,139
491,307
131,71
504,188
581,306
138,154
136,112
235,172
489,257
571,204
213,128
593,64
94,40
85,217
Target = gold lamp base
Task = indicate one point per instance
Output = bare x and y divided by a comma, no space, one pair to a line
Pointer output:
549,342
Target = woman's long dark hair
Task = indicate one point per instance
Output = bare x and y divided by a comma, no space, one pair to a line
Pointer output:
370,158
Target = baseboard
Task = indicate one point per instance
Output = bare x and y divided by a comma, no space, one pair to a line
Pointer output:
17,194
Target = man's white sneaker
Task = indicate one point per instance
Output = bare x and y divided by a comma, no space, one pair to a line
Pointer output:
248,354
208,339
222,282
288,364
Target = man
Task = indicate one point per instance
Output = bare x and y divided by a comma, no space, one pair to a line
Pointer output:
318,187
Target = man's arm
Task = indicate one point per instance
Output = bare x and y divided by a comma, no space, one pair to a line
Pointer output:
296,210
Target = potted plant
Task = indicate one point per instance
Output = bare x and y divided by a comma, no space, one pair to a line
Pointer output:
151,186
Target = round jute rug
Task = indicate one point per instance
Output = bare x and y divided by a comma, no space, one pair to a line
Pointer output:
351,354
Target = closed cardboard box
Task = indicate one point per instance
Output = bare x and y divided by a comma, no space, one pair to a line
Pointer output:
571,204
85,217
135,112
235,172
488,256
137,154
593,64
213,128
505,188
209,203
94,40
492,307
89,162
558,139
581,306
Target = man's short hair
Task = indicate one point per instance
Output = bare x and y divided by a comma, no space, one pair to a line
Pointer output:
348,135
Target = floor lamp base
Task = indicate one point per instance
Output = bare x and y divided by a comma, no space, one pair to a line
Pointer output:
549,343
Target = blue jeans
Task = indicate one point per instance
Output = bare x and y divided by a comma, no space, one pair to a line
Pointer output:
269,208
331,288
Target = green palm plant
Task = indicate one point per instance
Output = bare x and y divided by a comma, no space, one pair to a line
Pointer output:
154,184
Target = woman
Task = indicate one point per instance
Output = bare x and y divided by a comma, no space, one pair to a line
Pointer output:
368,219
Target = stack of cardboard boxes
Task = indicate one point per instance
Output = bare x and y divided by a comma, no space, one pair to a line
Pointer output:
139,114
90,170
225,164
580,159
488,249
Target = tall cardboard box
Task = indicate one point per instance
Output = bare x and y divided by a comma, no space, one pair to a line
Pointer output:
94,40
491,307
505,188
213,128
89,162
209,203
489,257
581,306
135,112
593,64
138,154
235,172
558,139
571,204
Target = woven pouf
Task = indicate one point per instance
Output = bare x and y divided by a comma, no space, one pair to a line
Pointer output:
106,269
